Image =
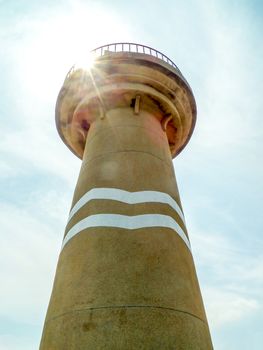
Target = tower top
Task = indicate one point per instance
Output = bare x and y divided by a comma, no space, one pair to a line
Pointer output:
125,75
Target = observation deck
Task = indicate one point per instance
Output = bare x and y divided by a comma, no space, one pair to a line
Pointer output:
125,75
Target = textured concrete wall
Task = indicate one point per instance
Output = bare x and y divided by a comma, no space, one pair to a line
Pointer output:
122,281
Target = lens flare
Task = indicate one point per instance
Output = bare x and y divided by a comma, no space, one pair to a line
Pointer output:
86,62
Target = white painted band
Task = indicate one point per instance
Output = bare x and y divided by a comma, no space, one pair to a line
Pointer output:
126,197
126,222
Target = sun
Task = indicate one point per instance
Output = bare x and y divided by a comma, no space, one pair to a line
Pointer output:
62,40
85,61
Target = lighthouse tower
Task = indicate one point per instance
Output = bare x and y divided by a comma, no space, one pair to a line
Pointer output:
125,278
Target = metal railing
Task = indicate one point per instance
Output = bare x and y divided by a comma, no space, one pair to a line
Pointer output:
132,47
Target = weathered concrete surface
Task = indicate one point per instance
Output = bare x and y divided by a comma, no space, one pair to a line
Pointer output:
119,78
119,288
122,328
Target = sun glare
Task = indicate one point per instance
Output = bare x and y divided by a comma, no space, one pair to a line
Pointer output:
86,61
58,42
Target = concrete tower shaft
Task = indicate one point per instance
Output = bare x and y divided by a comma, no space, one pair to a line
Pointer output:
125,277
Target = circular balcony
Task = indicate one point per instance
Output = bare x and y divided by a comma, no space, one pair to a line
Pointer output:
130,70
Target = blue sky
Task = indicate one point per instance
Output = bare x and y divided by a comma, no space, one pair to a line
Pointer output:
217,44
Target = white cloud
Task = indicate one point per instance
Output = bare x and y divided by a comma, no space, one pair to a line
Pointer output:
230,277
229,94
8,342
224,307
28,253
39,148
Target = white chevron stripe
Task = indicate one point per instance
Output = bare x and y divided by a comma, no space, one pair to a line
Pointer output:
126,197
126,222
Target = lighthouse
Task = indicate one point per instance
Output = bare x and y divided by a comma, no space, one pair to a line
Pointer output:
125,277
